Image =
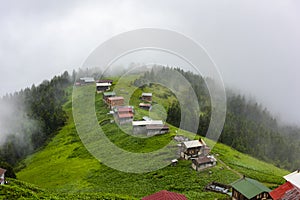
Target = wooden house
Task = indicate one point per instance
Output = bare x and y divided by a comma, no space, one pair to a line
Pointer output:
285,191
203,162
249,189
102,87
145,106
164,195
157,129
124,114
115,101
106,95
192,149
146,97
140,127
2,176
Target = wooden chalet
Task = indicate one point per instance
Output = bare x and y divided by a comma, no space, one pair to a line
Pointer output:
249,189
149,127
146,97
157,129
145,106
115,101
102,87
285,191
106,95
2,176
165,195
124,114
203,162
192,149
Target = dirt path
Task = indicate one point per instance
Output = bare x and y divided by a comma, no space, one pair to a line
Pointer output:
229,168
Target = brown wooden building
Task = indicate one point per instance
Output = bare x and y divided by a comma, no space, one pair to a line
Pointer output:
249,189
203,162
146,97
115,101
192,149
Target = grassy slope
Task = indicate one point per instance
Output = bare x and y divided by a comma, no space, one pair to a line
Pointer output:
64,165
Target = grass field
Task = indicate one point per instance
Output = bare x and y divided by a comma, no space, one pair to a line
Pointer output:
64,166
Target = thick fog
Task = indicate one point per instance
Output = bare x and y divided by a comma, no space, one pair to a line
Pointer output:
255,44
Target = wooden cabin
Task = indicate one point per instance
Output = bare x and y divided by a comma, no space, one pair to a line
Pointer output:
124,114
106,95
115,101
102,87
157,129
249,189
2,176
140,127
192,149
203,162
146,97
145,106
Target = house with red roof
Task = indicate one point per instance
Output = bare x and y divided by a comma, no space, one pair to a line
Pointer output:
124,114
165,195
285,191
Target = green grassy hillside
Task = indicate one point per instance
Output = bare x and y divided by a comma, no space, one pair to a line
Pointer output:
64,166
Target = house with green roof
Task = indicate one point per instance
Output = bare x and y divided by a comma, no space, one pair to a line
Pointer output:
249,189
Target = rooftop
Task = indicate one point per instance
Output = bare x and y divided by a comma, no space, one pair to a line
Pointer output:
293,178
144,123
115,98
193,144
103,84
205,159
125,115
249,187
165,195
87,79
109,94
147,94
104,81
284,190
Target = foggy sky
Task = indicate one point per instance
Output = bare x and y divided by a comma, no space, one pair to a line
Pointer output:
255,44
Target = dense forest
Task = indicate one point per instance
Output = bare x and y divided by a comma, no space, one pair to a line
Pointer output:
30,117
249,127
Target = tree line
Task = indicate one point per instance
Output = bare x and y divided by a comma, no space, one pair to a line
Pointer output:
32,116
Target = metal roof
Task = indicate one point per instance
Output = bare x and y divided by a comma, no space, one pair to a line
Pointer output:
147,94
293,178
103,84
144,123
115,98
192,144
125,115
284,190
109,94
249,187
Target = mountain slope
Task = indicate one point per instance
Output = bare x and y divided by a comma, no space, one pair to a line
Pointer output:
65,166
